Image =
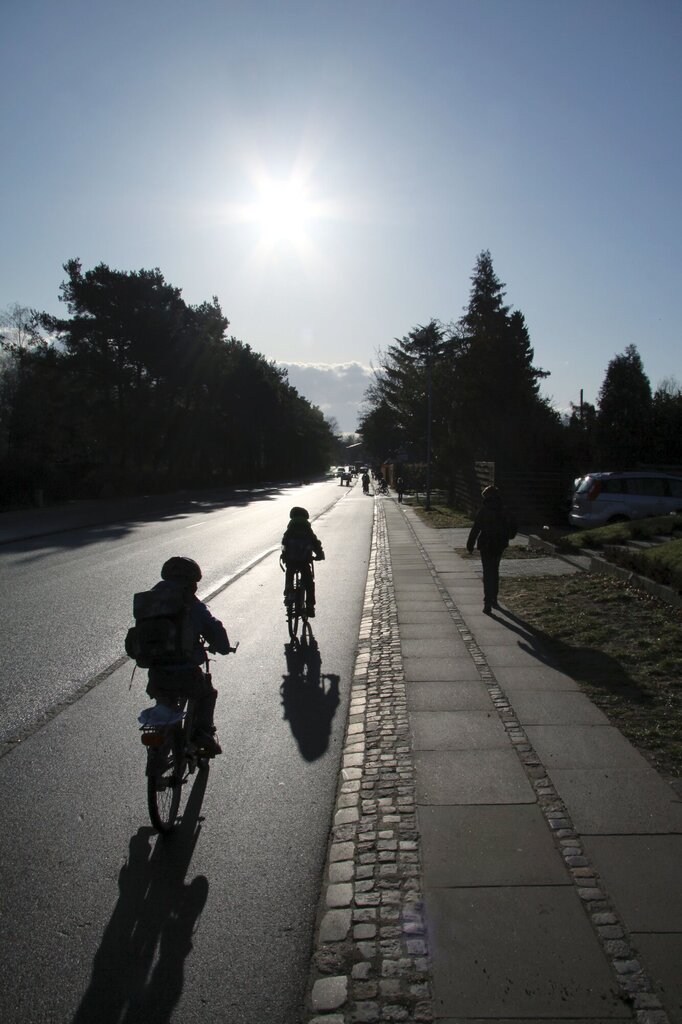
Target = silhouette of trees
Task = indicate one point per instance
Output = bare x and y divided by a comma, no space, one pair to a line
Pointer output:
135,389
485,389
624,419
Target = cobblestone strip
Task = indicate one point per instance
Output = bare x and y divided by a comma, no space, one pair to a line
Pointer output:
370,959
632,979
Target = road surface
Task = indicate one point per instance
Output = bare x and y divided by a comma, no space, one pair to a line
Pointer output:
101,920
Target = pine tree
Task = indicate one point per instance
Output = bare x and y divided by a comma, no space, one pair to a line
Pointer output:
497,408
625,408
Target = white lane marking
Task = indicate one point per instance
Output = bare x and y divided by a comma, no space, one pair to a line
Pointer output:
233,577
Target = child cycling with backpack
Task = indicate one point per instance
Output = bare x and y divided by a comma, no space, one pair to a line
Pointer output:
171,626
300,547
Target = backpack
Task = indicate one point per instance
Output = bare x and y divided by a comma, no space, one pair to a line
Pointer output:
163,633
297,548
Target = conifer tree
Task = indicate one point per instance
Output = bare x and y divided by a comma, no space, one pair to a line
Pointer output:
625,409
498,412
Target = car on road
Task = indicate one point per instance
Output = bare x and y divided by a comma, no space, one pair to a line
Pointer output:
602,498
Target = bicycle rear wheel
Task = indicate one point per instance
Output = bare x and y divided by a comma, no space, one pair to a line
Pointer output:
165,769
296,606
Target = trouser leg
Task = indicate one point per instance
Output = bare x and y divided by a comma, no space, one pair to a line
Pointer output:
491,576
288,580
309,585
205,709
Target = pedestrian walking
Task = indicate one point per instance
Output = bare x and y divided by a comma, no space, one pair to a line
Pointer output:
493,528
400,487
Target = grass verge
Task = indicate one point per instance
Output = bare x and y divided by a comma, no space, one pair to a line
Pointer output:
621,533
442,517
622,646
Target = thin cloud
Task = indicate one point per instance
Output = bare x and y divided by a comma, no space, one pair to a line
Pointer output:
337,388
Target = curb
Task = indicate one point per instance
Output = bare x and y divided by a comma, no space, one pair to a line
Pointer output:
370,958
606,568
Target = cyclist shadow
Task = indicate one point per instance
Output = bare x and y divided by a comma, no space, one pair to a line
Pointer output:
138,970
309,698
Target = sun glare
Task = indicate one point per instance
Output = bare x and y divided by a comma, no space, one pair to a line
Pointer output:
284,215
283,211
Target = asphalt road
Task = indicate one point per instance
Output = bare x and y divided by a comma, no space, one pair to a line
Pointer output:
101,920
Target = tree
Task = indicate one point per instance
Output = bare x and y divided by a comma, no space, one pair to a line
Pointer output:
20,342
496,411
625,412
142,391
666,439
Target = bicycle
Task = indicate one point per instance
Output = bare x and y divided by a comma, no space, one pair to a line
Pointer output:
296,609
172,755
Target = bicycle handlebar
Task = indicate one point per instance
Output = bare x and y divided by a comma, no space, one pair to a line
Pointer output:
230,650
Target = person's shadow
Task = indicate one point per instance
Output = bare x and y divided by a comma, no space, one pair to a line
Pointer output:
587,665
138,970
309,698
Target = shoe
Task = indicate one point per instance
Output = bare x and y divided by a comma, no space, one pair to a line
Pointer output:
207,743
487,609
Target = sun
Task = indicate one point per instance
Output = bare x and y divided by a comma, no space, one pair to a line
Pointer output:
283,210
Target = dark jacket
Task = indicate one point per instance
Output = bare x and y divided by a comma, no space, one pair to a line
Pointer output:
300,543
493,527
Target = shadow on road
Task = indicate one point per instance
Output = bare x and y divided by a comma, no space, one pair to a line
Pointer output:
138,970
309,698
34,533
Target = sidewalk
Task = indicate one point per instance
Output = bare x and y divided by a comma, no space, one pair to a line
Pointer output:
546,879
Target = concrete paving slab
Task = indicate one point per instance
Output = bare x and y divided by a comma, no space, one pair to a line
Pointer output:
471,777
447,696
511,653
517,1020
517,952
606,801
411,603
430,647
416,614
662,955
563,708
533,677
584,746
429,630
458,584
642,876
434,669
408,580
484,846
457,730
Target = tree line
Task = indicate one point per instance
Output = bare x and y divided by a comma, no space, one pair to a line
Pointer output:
138,390
473,386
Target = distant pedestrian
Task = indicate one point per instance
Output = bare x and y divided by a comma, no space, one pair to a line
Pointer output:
493,528
400,487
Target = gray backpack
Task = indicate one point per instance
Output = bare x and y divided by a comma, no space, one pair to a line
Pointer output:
163,633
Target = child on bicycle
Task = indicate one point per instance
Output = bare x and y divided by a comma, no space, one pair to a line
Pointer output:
170,682
300,547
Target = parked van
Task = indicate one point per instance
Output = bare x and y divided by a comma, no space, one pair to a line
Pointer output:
602,498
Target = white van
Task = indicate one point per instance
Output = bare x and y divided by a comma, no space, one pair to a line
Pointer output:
602,498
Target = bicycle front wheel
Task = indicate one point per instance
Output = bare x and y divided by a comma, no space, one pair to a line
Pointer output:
164,782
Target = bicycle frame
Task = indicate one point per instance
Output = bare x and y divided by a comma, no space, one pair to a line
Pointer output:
296,607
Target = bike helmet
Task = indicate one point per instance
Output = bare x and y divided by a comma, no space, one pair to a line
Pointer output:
299,513
185,570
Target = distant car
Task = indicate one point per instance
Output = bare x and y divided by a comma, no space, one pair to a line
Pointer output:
602,498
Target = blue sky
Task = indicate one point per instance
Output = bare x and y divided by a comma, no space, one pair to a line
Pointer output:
331,170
